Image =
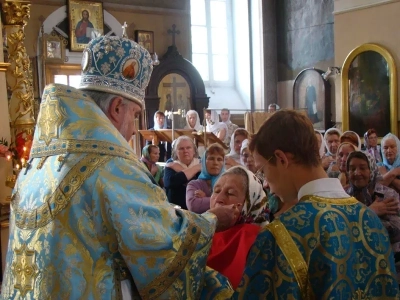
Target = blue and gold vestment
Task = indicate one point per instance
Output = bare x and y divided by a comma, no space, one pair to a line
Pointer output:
86,216
321,249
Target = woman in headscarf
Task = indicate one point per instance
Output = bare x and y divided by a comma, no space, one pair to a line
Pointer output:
365,187
193,121
341,157
230,248
184,168
160,122
332,142
215,126
371,144
239,135
150,156
198,192
389,167
351,137
246,157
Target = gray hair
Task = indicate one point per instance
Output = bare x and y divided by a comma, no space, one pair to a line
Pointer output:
103,100
176,143
239,171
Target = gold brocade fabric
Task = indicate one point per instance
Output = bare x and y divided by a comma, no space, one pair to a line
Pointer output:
85,216
321,248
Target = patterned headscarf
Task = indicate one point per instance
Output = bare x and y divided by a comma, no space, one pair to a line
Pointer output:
146,155
375,176
156,126
255,208
204,173
374,151
385,162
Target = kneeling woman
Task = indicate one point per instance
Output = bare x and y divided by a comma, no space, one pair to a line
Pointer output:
229,248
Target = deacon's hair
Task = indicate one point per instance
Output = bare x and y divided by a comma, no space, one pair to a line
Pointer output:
215,149
290,132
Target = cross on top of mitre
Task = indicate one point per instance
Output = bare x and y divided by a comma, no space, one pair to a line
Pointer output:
124,35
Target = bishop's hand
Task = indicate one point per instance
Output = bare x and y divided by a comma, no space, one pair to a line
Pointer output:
227,215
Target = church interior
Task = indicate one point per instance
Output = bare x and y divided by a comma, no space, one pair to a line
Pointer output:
324,58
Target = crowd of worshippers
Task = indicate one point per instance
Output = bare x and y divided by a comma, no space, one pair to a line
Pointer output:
369,172
89,220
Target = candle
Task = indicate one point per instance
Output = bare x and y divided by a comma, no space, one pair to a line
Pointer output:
22,161
24,148
17,166
8,157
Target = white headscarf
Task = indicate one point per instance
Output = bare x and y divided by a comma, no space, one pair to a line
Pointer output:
339,133
232,153
227,122
358,137
214,125
322,147
245,144
156,126
197,126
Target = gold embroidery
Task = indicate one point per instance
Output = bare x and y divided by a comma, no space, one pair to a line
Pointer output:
60,147
293,256
30,219
337,201
163,281
25,269
50,120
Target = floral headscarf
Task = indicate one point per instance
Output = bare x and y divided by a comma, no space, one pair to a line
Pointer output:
375,176
197,126
156,126
385,162
204,173
255,208
339,133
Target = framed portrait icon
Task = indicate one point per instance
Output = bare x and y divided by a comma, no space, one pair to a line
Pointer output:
311,94
145,39
86,22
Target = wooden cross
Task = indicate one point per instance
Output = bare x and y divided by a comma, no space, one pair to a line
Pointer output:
173,32
124,35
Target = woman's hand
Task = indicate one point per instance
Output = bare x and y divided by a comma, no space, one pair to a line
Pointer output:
386,207
199,194
174,166
326,161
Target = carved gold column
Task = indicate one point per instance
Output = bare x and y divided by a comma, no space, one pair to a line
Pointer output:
15,15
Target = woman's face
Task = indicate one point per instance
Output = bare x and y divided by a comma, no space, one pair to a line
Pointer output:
342,155
192,120
332,141
248,160
207,115
228,190
154,154
390,150
237,142
185,152
359,172
214,163
373,140
160,120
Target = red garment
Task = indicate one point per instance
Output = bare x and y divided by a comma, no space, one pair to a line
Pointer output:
229,251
